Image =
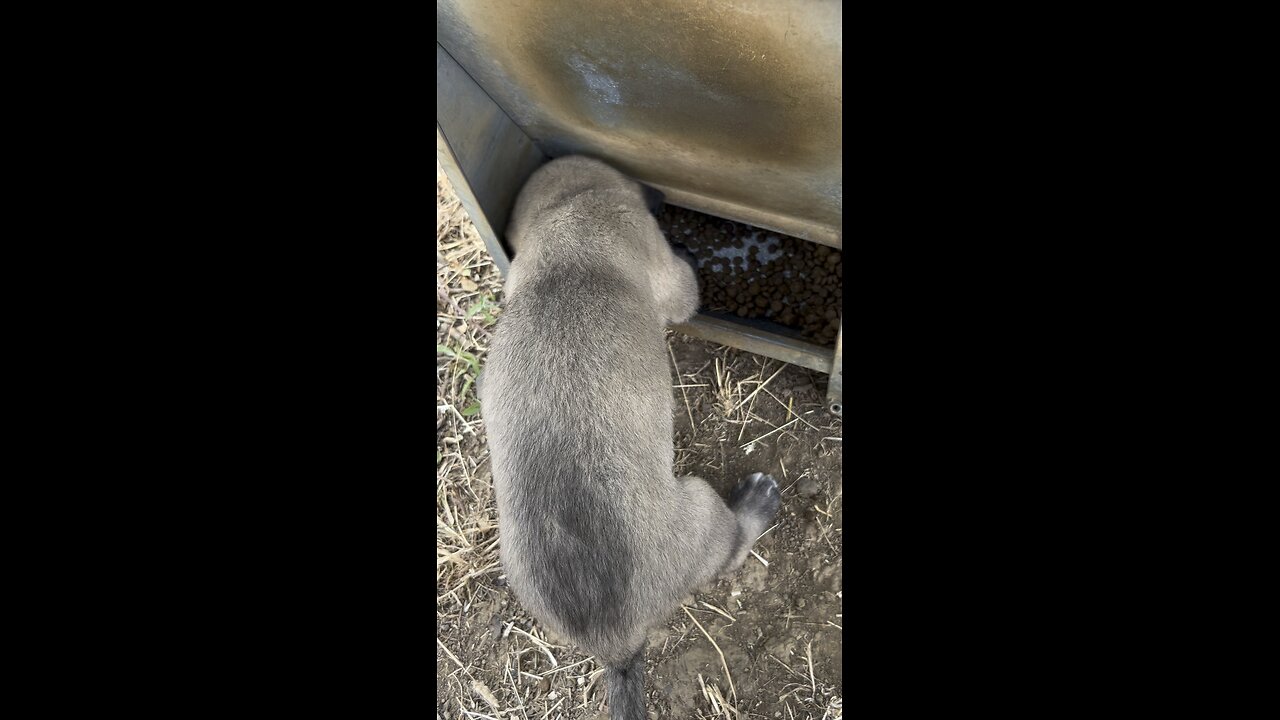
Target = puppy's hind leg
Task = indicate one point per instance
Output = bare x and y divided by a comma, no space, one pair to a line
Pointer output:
719,536
755,502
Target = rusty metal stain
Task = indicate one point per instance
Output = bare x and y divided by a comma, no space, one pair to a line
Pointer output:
739,101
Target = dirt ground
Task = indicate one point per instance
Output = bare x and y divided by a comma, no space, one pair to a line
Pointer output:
766,642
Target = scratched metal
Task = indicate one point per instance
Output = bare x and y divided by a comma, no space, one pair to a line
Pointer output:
732,106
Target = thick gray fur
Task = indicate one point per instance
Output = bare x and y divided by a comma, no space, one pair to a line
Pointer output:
599,541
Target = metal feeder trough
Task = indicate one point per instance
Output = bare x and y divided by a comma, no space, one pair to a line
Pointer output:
729,107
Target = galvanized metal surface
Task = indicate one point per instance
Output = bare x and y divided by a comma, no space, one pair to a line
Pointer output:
486,157
751,339
835,384
772,168
731,107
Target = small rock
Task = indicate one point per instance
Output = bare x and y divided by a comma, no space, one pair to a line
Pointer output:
808,487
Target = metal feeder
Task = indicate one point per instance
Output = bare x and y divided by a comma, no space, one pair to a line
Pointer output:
730,108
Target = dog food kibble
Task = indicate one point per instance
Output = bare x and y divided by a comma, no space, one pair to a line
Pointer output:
748,272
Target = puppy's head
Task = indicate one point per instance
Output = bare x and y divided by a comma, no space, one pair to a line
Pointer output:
563,179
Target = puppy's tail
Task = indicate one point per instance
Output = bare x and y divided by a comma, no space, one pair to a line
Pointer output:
626,689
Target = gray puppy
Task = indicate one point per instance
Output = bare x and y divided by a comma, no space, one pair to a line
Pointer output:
599,540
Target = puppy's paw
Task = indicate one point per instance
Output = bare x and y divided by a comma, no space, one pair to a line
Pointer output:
757,494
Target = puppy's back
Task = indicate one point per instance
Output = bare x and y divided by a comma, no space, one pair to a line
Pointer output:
577,404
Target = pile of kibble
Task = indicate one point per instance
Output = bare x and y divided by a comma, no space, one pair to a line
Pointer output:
754,273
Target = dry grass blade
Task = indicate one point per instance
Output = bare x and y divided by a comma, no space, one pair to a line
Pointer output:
788,667
709,606
752,396
543,646
692,425
750,402
721,706
723,662
452,657
813,684
787,405
777,429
